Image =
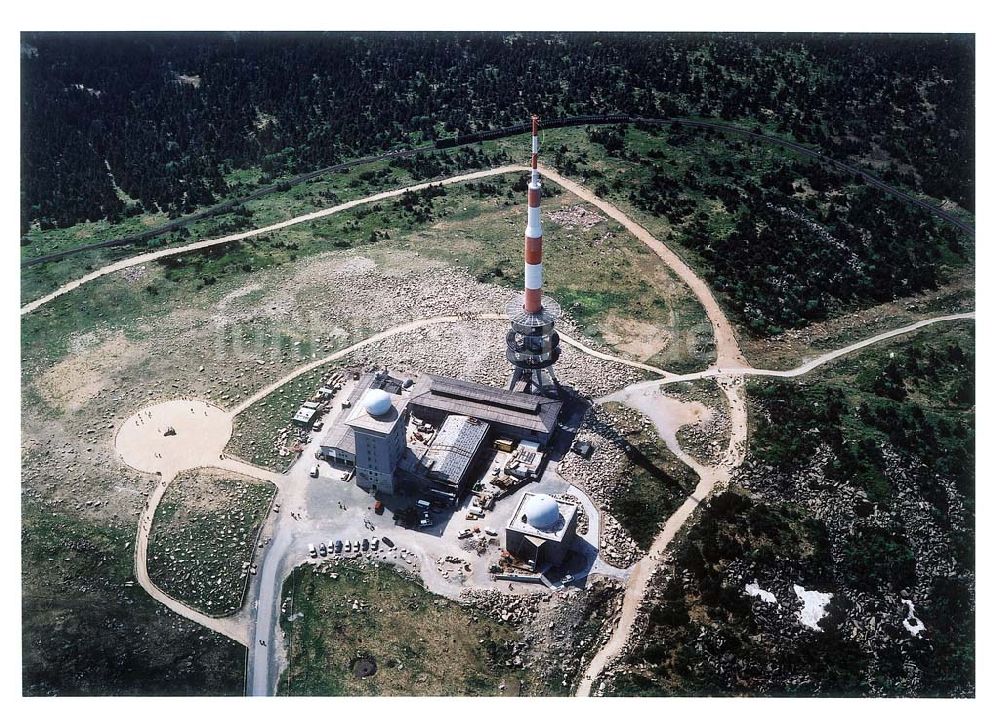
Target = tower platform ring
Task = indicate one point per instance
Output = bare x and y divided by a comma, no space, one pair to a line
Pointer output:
551,311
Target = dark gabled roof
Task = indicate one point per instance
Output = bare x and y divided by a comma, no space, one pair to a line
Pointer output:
493,405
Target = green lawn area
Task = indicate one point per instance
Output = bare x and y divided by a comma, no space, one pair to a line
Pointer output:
203,538
255,429
421,644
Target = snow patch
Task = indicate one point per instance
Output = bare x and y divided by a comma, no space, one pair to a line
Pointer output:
752,589
813,606
911,623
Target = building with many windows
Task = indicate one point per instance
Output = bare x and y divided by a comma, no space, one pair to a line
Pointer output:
379,425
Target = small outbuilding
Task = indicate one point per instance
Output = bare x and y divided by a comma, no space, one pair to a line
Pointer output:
541,531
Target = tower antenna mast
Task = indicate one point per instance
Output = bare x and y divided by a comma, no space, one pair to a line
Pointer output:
532,342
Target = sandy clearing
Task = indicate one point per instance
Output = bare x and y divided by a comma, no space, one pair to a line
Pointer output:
78,378
202,431
635,338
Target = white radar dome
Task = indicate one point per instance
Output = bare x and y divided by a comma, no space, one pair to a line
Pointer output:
377,402
542,511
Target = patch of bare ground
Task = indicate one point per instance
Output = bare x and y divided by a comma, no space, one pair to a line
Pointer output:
791,348
78,378
634,338
705,440
575,216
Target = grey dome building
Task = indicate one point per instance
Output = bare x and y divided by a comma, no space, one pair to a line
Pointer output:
541,531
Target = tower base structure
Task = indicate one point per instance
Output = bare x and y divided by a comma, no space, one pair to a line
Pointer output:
533,347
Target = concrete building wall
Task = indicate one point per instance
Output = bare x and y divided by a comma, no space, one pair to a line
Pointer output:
542,552
376,456
337,455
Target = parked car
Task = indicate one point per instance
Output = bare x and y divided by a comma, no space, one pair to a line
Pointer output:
357,546
314,471
379,508
318,426
322,549
374,544
364,544
312,550
388,541
339,546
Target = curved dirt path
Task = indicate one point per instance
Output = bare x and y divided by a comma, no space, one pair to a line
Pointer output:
234,626
728,371
727,349
202,431
809,365
415,325
604,356
833,355
645,397
167,252
388,333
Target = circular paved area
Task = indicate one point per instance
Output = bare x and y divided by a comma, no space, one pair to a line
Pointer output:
201,432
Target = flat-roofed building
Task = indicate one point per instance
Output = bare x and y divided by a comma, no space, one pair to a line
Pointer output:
509,413
541,531
338,445
452,454
307,414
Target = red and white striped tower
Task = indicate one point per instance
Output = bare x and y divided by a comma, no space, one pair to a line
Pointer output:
533,232
532,343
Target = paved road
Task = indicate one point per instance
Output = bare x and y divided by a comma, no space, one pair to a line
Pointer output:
282,554
260,623
262,676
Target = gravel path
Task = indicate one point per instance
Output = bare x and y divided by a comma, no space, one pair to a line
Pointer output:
726,347
167,252
728,371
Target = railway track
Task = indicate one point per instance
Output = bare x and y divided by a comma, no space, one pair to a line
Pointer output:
473,138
